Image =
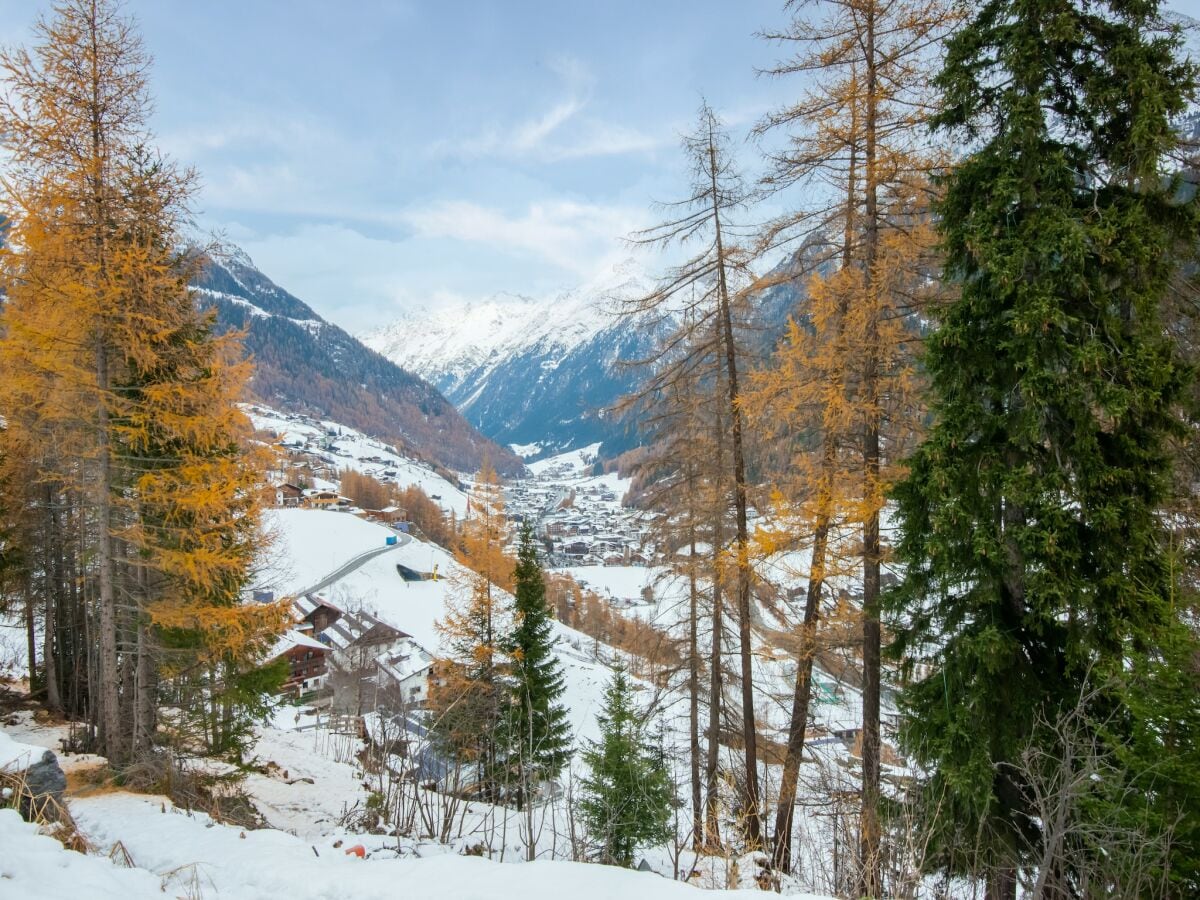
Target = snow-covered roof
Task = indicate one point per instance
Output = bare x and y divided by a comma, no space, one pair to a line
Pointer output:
352,626
405,659
290,641
311,602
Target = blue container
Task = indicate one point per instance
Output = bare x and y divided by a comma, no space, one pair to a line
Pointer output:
392,540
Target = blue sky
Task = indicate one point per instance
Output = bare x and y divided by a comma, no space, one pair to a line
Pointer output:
375,155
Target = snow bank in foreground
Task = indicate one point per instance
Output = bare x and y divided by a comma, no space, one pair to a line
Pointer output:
34,866
228,862
15,755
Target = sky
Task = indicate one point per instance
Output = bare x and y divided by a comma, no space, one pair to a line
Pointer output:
376,156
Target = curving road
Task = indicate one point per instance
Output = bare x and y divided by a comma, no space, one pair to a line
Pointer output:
356,563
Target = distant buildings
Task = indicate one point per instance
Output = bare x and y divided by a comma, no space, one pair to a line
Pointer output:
369,663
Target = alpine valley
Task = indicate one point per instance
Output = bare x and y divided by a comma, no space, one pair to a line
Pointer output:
543,375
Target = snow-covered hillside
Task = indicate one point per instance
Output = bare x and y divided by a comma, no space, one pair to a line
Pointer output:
307,775
345,448
310,543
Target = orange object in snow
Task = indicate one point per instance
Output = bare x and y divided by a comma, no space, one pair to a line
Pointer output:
358,850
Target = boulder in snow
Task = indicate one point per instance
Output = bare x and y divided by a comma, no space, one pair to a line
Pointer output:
33,773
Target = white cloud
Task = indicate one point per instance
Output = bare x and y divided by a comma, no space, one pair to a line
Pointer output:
575,237
453,252
531,135
564,131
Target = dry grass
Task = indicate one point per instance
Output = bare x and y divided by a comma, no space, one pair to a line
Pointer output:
92,781
52,817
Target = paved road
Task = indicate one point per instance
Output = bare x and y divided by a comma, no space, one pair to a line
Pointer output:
354,564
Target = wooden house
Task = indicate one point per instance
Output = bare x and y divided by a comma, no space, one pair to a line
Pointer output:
317,612
392,515
306,660
325,500
373,663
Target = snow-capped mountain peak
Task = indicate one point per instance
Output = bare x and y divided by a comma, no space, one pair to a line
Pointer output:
528,369
449,342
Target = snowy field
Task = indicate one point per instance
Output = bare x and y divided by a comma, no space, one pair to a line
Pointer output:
311,543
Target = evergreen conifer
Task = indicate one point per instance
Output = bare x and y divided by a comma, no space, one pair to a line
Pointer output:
627,799
539,733
1033,553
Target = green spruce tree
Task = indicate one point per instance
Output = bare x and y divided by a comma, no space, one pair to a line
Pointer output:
1029,533
539,735
628,796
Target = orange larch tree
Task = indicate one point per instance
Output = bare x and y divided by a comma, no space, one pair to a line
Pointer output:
110,370
469,688
856,141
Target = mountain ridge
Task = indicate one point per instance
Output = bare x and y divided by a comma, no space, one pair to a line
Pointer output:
533,371
306,364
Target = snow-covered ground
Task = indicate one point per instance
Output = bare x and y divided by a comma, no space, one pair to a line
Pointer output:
16,754
143,845
14,653
306,777
187,855
621,584
34,866
311,543
567,465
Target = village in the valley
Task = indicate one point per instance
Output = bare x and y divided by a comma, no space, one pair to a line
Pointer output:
337,646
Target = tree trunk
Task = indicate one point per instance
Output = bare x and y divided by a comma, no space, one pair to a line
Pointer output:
109,692
146,709
871,885
751,812
31,641
694,678
74,634
1001,885
801,699
51,648
712,787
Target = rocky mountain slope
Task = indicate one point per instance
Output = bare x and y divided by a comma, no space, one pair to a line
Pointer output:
305,364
